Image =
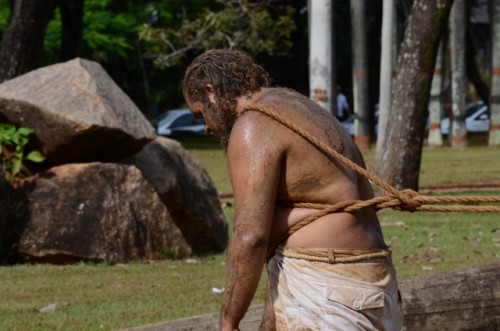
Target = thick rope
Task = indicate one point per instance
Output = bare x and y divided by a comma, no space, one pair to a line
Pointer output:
407,200
331,257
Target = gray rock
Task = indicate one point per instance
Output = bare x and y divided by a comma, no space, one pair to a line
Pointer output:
92,211
187,190
77,111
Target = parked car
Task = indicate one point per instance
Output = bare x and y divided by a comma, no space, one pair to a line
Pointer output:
477,119
179,122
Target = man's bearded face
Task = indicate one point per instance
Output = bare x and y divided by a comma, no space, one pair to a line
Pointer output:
219,121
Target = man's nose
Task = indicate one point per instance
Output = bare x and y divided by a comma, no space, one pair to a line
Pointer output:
207,129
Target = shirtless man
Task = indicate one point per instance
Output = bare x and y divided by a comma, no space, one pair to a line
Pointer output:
311,284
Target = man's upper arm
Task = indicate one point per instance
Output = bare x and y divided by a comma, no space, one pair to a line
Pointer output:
254,157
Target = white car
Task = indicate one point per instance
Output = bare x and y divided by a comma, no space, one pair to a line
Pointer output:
179,122
477,119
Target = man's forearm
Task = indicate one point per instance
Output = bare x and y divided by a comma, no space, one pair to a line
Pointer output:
243,270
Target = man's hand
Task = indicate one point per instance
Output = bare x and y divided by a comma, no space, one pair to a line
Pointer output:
268,322
226,326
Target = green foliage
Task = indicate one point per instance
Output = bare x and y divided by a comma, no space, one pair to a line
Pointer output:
112,30
253,26
52,40
106,32
4,15
13,143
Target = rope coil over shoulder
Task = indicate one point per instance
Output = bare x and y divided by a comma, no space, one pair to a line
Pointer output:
405,200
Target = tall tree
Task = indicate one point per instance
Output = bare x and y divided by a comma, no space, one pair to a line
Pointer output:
321,78
436,101
385,75
22,41
458,91
400,164
362,129
494,137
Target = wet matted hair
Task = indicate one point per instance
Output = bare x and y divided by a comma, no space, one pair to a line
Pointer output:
231,74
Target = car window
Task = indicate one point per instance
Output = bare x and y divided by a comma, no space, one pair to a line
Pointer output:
483,116
199,121
183,120
472,109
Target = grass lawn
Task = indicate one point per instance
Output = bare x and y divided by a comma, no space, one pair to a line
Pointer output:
109,297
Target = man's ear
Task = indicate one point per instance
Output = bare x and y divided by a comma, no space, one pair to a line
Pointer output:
209,91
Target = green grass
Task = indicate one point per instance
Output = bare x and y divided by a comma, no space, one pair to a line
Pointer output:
209,151
448,165
110,297
96,297
431,242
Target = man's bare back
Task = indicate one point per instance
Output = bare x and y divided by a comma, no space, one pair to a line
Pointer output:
309,176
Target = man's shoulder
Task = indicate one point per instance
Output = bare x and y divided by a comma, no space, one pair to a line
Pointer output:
279,92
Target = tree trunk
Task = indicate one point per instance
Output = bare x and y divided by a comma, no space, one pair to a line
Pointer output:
458,91
494,137
400,164
22,42
71,29
436,102
464,299
385,76
360,75
320,54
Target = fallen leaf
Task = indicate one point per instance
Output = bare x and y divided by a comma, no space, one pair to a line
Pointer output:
476,240
48,309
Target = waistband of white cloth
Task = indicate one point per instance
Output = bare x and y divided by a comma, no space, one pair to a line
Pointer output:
336,255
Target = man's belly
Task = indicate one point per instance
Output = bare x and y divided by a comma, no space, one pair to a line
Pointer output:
338,230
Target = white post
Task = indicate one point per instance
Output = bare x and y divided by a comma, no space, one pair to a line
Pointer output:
436,103
385,76
320,53
458,129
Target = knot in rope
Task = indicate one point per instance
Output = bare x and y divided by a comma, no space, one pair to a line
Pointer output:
409,200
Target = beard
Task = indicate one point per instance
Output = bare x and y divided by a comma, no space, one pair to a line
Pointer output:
222,121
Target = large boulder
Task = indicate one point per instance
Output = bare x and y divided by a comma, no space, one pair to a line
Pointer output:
187,190
77,111
93,211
